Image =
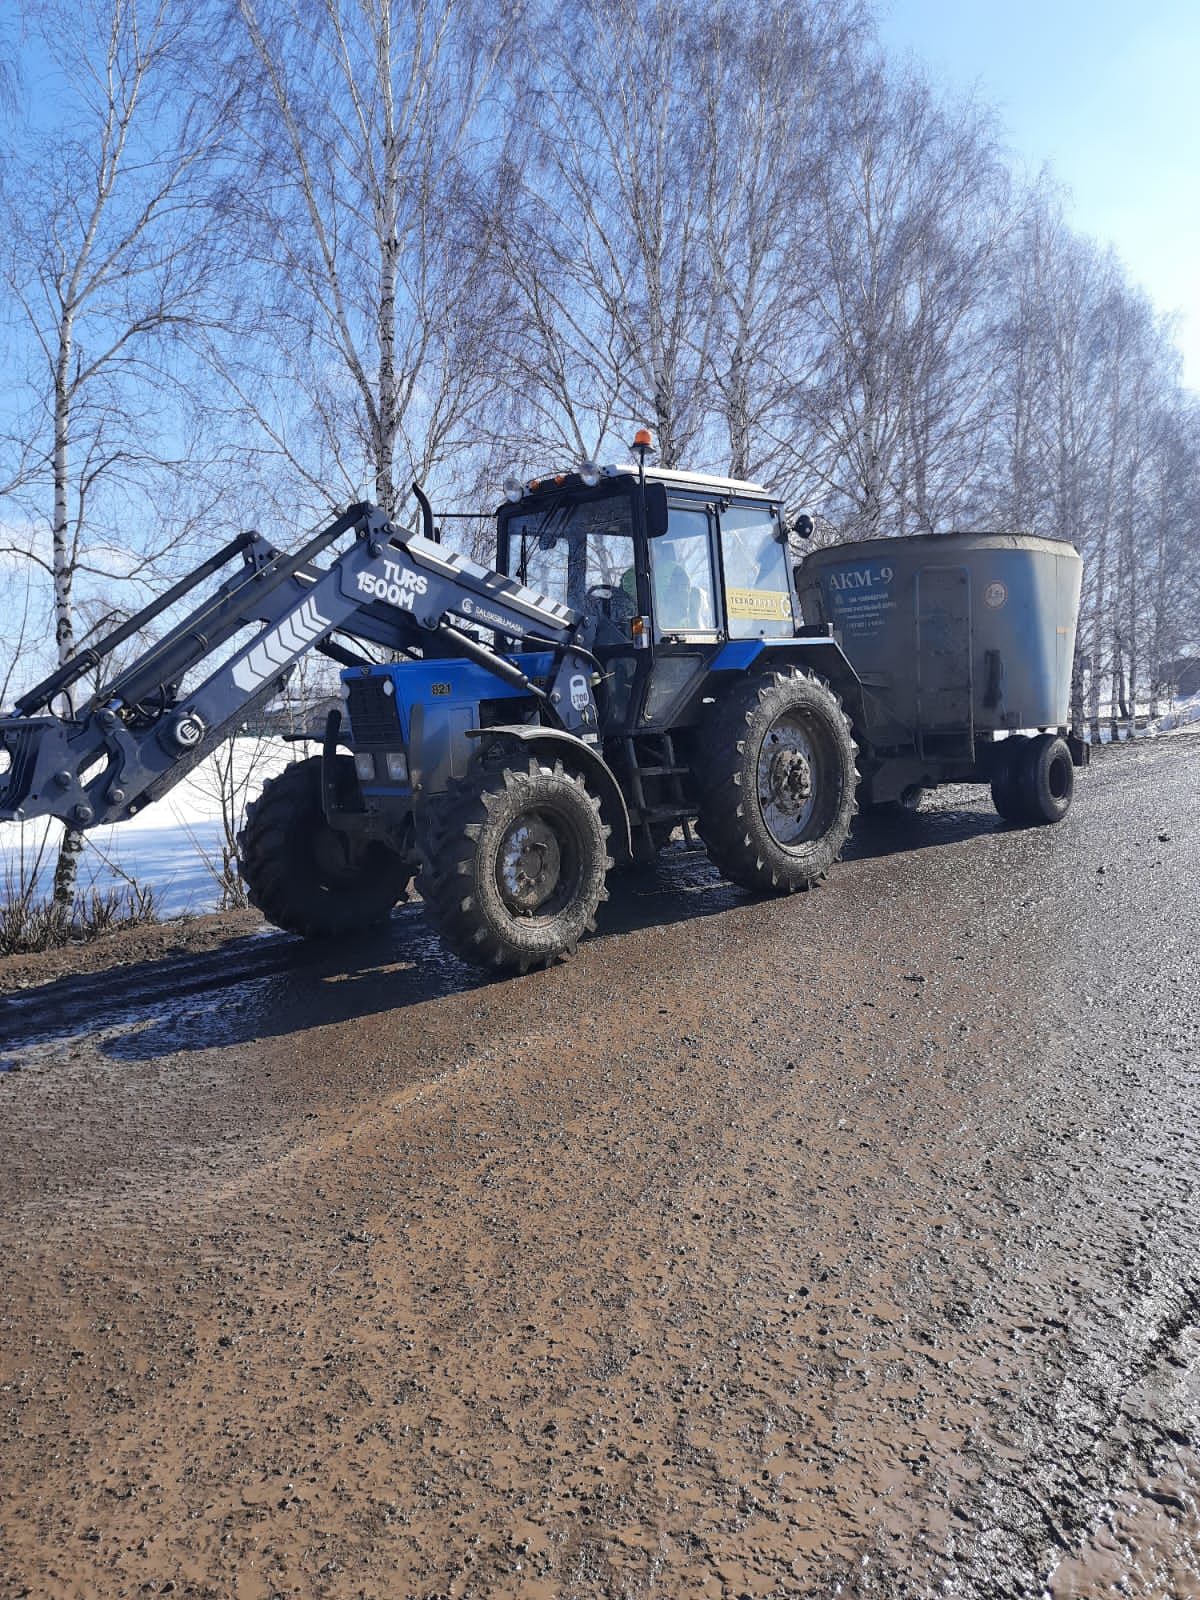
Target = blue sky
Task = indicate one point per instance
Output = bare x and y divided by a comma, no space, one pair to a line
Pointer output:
1106,93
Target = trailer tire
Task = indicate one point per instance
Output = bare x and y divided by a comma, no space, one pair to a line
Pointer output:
307,877
1045,779
514,864
778,782
1006,788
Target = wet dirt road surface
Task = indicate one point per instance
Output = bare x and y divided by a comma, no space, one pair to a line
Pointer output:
839,1246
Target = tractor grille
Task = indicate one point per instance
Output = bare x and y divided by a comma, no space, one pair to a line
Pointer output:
373,718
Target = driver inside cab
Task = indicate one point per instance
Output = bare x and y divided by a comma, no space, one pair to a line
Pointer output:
677,600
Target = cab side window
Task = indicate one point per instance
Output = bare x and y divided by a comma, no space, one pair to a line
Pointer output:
757,599
681,571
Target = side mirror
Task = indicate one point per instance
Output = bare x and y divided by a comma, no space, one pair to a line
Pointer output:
798,524
656,510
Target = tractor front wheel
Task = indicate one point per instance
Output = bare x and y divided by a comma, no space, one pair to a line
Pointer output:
307,877
777,782
515,861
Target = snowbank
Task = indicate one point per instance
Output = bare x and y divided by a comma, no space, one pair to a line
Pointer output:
1179,716
166,847
1183,714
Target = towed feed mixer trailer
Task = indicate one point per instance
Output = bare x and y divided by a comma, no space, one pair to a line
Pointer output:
642,657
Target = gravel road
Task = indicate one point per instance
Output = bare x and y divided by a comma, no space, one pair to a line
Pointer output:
846,1245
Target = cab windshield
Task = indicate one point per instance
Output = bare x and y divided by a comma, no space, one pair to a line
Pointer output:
579,552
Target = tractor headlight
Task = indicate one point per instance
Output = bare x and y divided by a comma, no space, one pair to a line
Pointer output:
397,766
513,489
364,765
589,471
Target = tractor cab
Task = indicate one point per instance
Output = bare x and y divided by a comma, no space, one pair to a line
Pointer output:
671,569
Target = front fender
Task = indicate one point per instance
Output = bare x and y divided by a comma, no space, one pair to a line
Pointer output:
590,763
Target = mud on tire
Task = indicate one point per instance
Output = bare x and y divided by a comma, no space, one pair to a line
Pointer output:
305,876
514,865
777,783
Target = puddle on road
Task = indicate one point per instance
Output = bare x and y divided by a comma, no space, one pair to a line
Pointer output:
267,984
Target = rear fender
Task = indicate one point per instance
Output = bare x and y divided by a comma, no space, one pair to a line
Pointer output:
589,763
820,655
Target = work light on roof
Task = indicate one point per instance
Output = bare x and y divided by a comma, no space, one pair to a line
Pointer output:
589,471
513,489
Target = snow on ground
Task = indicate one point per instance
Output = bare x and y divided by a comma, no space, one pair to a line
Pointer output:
1179,716
1182,714
169,846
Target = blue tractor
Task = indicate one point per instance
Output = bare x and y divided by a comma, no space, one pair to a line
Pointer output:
636,661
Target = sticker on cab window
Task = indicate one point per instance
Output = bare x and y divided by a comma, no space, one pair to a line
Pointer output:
759,605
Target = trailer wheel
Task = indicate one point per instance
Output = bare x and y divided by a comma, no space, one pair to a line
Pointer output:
1006,789
514,865
777,782
305,876
1045,779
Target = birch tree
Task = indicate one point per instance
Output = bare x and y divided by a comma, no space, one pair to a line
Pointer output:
108,256
361,202
915,206
604,239
768,79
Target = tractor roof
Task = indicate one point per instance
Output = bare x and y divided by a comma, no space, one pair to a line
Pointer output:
700,480
704,482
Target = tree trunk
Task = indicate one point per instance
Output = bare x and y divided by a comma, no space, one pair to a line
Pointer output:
64,625
384,487
1093,696
737,412
66,870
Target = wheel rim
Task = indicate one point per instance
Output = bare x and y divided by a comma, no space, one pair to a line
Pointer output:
538,864
793,774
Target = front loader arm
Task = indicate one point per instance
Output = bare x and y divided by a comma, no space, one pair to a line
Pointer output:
138,736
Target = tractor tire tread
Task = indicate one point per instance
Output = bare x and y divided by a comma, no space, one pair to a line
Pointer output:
462,825
728,825
283,880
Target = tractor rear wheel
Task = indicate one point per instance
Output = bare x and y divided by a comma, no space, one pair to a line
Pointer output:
777,782
305,876
515,861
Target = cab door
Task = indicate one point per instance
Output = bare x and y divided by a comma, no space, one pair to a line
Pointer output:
756,581
685,611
